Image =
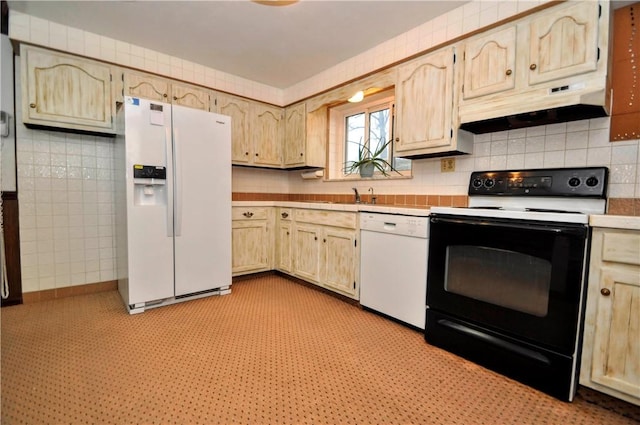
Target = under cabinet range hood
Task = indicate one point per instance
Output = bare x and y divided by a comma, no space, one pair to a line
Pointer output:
560,72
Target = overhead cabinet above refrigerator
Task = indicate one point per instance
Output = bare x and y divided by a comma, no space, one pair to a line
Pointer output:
174,203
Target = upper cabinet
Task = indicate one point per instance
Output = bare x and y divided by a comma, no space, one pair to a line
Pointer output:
294,135
551,59
238,110
425,106
66,91
163,90
490,64
563,42
266,127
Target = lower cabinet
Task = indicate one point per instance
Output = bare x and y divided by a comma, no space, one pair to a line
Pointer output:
284,237
325,249
252,239
611,346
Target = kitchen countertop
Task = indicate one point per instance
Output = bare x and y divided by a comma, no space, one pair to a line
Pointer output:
351,207
615,221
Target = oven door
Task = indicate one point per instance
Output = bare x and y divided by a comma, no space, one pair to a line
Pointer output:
517,278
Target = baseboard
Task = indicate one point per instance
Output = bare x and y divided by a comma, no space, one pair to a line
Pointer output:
69,291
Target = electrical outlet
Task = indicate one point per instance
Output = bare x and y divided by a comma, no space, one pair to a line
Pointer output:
447,165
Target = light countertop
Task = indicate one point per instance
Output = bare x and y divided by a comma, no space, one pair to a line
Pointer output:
615,221
385,209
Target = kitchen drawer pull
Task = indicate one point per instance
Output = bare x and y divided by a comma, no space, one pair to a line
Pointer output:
605,291
285,215
32,105
533,66
248,214
509,72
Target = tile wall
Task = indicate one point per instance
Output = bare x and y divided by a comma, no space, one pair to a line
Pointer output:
66,195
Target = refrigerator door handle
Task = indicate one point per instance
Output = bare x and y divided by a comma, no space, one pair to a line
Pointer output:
169,154
177,181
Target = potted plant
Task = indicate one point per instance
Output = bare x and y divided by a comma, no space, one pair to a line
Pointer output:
369,161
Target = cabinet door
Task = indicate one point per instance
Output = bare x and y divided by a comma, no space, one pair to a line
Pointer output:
490,64
266,131
238,110
295,135
250,244
284,247
189,96
424,101
147,87
307,252
616,347
63,91
564,42
339,246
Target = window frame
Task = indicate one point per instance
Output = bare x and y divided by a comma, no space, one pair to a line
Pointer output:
337,135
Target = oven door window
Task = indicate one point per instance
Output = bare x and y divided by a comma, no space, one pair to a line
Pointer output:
498,276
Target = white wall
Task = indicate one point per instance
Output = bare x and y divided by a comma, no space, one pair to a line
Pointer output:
7,146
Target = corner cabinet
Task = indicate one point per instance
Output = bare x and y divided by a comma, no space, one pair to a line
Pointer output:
294,135
425,105
238,110
252,239
65,91
611,345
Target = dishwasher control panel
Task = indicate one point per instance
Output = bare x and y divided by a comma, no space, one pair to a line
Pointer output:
404,225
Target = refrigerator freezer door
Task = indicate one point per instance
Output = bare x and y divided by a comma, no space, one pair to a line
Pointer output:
149,213
202,146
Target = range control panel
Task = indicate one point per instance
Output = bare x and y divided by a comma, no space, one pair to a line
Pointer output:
585,182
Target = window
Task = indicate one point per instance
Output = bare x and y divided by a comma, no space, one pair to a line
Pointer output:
366,126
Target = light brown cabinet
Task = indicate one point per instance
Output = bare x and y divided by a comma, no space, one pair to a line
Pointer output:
238,110
284,237
295,135
267,135
554,58
162,90
611,345
325,249
65,91
252,241
425,105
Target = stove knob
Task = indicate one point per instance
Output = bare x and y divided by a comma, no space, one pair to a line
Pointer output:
489,183
476,183
592,181
574,181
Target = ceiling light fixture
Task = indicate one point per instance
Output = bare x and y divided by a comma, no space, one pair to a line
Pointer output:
357,97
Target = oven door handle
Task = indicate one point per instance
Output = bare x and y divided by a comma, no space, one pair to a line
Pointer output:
572,230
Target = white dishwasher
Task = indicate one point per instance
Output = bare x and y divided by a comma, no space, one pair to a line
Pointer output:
393,265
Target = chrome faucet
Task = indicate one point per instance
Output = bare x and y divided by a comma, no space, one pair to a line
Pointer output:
357,195
373,198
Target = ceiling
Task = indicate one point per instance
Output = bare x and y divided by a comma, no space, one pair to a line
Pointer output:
274,45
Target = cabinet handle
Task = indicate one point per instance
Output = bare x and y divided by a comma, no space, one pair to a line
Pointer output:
509,72
248,214
324,240
285,215
164,95
315,238
246,153
287,233
32,105
397,139
533,66
301,153
256,154
605,291
175,97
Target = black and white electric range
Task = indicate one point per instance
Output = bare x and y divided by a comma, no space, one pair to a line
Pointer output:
507,275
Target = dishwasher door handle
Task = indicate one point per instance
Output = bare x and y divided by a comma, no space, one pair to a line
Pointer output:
389,226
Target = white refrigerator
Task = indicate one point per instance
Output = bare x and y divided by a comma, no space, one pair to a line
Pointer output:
173,203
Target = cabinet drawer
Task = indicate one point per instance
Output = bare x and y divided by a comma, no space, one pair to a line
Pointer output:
621,247
285,214
249,213
326,218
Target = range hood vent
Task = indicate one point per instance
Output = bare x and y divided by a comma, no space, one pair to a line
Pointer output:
535,118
